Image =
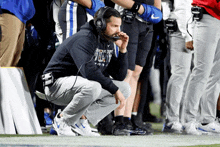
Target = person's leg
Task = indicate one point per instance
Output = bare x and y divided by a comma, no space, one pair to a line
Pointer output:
155,84
147,43
165,71
133,80
205,45
11,45
141,97
180,60
143,91
129,29
209,99
143,47
103,106
76,97
105,103
137,98
210,96
20,46
204,52
182,103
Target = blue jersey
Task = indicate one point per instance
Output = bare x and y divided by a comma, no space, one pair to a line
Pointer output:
23,9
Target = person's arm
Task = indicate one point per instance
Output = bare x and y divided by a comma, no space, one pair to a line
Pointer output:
119,97
92,5
148,13
127,4
157,4
118,67
86,3
83,56
190,24
183,13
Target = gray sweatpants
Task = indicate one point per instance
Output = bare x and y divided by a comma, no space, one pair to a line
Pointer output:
205,77
84,97
180,60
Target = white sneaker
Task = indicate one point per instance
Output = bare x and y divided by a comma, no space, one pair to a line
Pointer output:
176,127
62,128
85,123
213,127
191,128
82,128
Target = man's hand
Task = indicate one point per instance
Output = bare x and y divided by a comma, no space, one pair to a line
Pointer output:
189,45
151,14
122,42
119,97
96,4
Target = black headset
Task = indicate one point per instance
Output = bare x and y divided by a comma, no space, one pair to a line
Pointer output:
100,22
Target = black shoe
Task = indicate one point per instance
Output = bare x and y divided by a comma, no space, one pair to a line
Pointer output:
138,123
152,118
129,126
105,125
136,130
149,130
142,131
119,129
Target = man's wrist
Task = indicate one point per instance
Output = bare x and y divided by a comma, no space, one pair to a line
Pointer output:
123,50
136,6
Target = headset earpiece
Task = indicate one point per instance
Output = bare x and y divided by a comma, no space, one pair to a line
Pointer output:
100,22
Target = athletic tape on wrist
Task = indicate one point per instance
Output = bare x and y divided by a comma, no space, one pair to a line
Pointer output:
135,7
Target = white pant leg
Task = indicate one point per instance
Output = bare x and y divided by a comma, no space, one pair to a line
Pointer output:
180,60
76,94
84,97
105,103
155,83
206,37
210,97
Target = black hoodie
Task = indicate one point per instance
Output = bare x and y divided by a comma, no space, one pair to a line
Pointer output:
84,54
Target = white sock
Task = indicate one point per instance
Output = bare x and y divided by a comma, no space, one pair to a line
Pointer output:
134,113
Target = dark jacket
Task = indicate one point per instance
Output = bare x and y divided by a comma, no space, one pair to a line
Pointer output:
88,55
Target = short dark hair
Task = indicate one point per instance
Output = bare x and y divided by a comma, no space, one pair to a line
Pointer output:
108,13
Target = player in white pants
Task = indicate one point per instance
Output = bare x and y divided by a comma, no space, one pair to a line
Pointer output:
204,81
180,60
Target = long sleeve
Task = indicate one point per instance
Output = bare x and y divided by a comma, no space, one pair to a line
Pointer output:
189,20
182,13
118,67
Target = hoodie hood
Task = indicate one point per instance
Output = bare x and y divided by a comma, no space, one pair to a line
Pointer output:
90,26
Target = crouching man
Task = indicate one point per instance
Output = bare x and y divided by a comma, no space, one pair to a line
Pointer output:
86,74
